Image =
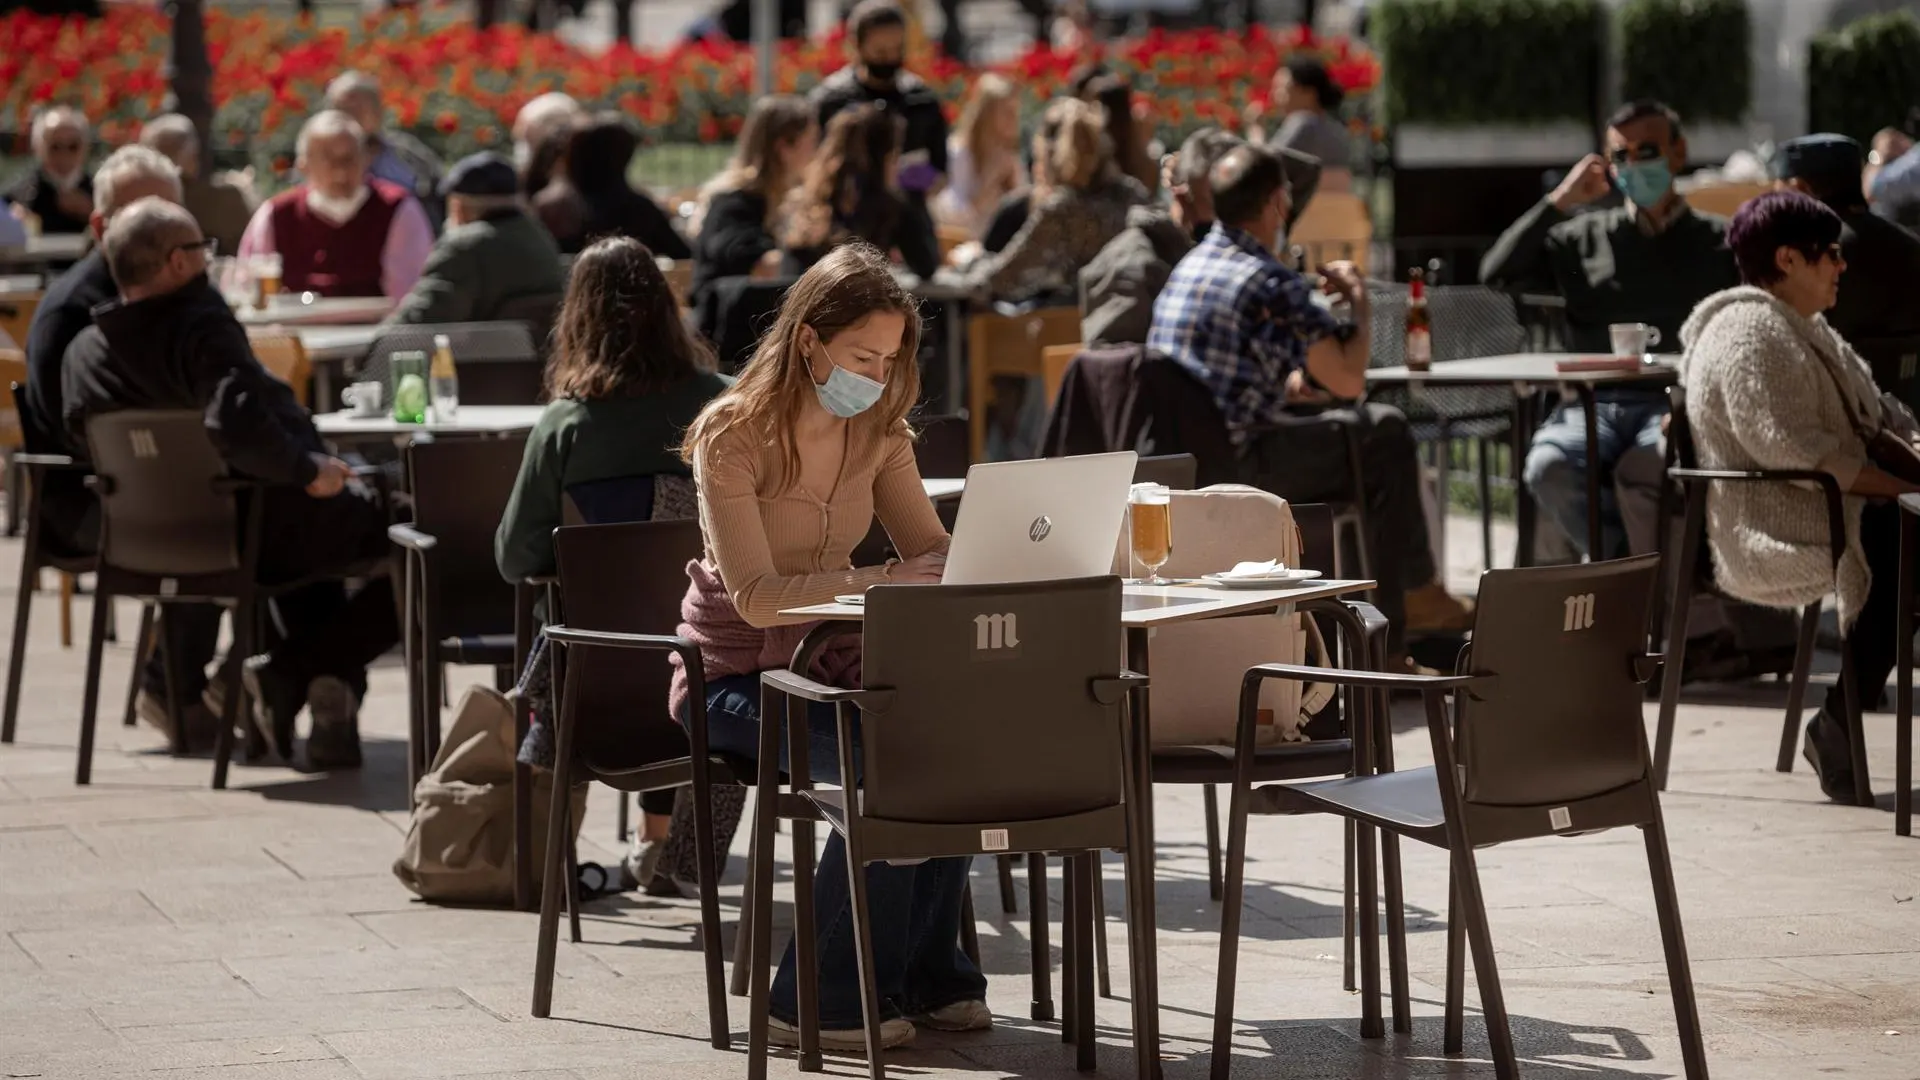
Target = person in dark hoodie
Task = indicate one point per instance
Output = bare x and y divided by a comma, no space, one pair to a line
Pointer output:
593,200
170,342
877,34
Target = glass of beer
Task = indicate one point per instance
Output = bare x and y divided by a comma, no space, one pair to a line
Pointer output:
266,269
1150,519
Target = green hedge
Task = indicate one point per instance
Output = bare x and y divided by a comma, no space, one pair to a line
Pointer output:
1489,61
1863,76
1691,54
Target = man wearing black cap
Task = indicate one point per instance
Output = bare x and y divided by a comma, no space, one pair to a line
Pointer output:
491,254
1877,300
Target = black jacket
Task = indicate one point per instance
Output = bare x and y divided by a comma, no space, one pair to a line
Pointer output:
185,350
733,238
66,310
908,98
37,193
1877,293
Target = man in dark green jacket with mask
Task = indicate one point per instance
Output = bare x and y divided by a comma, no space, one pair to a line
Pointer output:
491,255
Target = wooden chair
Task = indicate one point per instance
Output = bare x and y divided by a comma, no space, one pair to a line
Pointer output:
1335,225
1010,345
1723,199
13,370
1054,360
285,357
679,274
16,314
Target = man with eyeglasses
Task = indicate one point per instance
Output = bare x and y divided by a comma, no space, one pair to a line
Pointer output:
169,341
1646,259
57,189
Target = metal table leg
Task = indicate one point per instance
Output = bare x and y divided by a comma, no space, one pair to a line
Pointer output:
1903,666
1149,965
1591,414
1525,513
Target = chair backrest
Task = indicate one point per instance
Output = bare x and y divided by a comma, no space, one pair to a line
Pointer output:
161,510
629,579
994,717
1468,321
1563,719
486,353
1184,420
1176,471
284,357
16,313
1001,343
1334,225
1680,429
13,371
679,275
460,489
537,312
1054,360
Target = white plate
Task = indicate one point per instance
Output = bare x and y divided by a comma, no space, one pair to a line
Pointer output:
1284,580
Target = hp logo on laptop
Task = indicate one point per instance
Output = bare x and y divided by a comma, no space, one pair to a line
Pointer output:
1041,526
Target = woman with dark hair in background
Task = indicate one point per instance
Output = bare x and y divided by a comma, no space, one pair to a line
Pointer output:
1305,96
1127,133
849,194
593,199
624,380
733,231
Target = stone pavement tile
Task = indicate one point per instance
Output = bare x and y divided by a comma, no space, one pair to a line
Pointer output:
184,1055
332,1069
76,909
385,968
169,985
187,900
51,1030
146,945
395,1010
462,1049
121,804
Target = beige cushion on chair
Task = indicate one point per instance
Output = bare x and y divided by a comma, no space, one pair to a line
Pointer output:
1198,666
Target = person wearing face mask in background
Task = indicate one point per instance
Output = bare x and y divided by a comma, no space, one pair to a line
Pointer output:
57,189
793,463
877,34
1648,260
341,232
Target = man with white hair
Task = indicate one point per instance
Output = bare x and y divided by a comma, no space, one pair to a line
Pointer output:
341,232
57,189
220,206
393,156
493,252
169,341
533,127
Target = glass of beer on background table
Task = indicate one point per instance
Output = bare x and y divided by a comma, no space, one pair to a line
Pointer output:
266,269
1150,520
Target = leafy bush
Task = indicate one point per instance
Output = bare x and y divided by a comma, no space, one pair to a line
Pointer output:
1691,54
1864,76
1489,61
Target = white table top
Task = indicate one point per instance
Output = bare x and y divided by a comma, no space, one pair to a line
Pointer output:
944,488
306,309
1539,368
470,420
60,247
328,343
1159,605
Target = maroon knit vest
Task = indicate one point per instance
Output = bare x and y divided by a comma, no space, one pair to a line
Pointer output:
334,260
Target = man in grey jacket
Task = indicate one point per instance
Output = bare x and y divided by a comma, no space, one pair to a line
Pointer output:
492,253
1118,288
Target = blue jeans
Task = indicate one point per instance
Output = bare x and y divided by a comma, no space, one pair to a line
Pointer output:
914,911
1556,470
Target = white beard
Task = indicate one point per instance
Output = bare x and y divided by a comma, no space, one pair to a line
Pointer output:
337,211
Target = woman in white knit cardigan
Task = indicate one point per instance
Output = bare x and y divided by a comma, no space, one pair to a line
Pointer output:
1771,386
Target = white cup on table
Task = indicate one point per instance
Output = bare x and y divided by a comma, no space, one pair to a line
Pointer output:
1635,339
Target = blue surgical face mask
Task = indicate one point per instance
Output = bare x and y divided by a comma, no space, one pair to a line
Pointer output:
1645,183
846,394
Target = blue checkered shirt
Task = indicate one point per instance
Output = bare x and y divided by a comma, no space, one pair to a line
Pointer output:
1239,321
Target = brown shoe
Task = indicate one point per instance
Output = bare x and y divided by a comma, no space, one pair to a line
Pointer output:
1431,608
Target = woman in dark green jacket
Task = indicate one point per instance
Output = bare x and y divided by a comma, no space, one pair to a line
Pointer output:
624,379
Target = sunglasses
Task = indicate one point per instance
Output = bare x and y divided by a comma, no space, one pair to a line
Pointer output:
1830,252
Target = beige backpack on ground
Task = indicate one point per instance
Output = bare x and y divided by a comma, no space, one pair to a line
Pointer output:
1197,666
459,846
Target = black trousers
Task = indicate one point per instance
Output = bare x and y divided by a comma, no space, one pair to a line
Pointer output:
1873,640
1307,460
318,629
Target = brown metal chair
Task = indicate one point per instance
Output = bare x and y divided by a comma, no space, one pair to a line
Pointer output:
1052,648
458,609
1696,482
621,586
1547,739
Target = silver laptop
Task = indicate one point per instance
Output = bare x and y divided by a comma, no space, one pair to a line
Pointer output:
1040,520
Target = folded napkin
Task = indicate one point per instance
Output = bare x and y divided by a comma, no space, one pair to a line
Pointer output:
1266,568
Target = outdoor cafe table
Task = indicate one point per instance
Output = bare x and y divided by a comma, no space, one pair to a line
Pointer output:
1526,373
42,252
481,420
1144,608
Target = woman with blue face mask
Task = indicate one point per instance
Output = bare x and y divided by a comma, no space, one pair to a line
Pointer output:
793,463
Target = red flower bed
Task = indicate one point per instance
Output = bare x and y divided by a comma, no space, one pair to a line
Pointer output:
458,87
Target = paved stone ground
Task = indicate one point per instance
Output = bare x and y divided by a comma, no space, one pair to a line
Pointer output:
153,926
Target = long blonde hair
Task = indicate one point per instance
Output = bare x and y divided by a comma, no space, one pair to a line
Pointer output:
976,119
755,164
846,286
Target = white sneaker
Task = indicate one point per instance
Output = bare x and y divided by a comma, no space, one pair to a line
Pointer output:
970,1015
893,1034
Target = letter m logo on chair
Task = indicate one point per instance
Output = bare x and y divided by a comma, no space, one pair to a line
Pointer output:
1579,612
992,633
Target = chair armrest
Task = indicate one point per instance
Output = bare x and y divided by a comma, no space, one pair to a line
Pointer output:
1756,476
1379,680
796,685
411,538
1109,689
608,639
1647,665
1369,617
541,581
47,461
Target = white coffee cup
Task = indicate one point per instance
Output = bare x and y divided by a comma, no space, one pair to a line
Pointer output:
1633,338
363,397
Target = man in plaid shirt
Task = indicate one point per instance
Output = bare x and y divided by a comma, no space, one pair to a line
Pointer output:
1286,376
